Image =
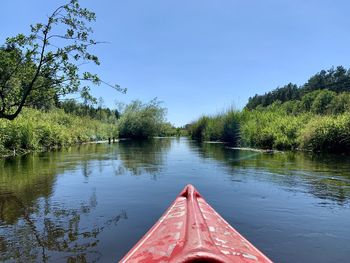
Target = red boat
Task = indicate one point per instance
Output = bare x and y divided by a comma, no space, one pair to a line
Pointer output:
192,231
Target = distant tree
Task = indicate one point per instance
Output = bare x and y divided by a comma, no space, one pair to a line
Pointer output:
340,103
322,101
47,57
100,106
117,114
308,99
282,94
334,79
337,80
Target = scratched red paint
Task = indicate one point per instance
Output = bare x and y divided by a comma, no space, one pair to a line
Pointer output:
190,231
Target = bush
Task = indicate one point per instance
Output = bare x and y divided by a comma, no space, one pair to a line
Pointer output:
221,127
327,133
140,120
197,129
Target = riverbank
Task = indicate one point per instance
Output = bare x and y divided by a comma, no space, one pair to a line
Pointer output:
275,129
36,130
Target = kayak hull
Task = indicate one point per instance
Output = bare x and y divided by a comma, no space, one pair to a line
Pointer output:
192,231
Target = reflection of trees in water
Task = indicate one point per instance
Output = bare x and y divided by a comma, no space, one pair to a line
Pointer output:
32,176
49,230
34,229
325,176
144,156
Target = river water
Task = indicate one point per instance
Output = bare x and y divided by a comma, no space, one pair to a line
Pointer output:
92,203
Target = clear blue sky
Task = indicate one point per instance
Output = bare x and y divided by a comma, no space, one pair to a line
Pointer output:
202,56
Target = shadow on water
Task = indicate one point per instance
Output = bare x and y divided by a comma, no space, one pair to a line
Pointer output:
325,176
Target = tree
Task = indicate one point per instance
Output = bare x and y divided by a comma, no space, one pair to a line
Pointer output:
100,106
282,94
337,80
141,120
340,103
48,58
322,101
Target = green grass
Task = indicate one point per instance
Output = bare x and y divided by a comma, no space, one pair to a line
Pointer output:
38,130
220,127
275,128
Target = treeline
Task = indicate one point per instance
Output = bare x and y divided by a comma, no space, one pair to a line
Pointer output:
314,117
101,113
334,79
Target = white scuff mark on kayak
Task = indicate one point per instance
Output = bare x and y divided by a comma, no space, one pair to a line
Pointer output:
179,224
212,229
170,249
227,233
177,214
225,252
249,256
177,235
220,240
148,235
205,217
162,253
182,208
204,211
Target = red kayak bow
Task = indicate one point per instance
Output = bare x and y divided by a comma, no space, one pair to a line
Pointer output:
192,231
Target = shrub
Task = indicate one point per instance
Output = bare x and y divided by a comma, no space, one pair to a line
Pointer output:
327,133
140,120
197,129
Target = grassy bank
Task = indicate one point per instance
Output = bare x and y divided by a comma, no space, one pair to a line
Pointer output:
37,130
275,128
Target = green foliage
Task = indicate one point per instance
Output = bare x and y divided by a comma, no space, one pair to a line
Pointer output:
44,65
231,127
221,127
313,117
167,130
336,80
271,129
71,106
36,130
327,133
142,120
282,94
197,128
340,103
322,101
274,128
319,102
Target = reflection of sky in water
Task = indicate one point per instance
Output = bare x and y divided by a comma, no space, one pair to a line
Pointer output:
95,201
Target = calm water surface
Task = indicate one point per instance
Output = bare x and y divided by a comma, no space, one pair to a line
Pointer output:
92,203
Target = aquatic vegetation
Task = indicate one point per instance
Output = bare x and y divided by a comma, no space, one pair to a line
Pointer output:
144,120
38,130
274,128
